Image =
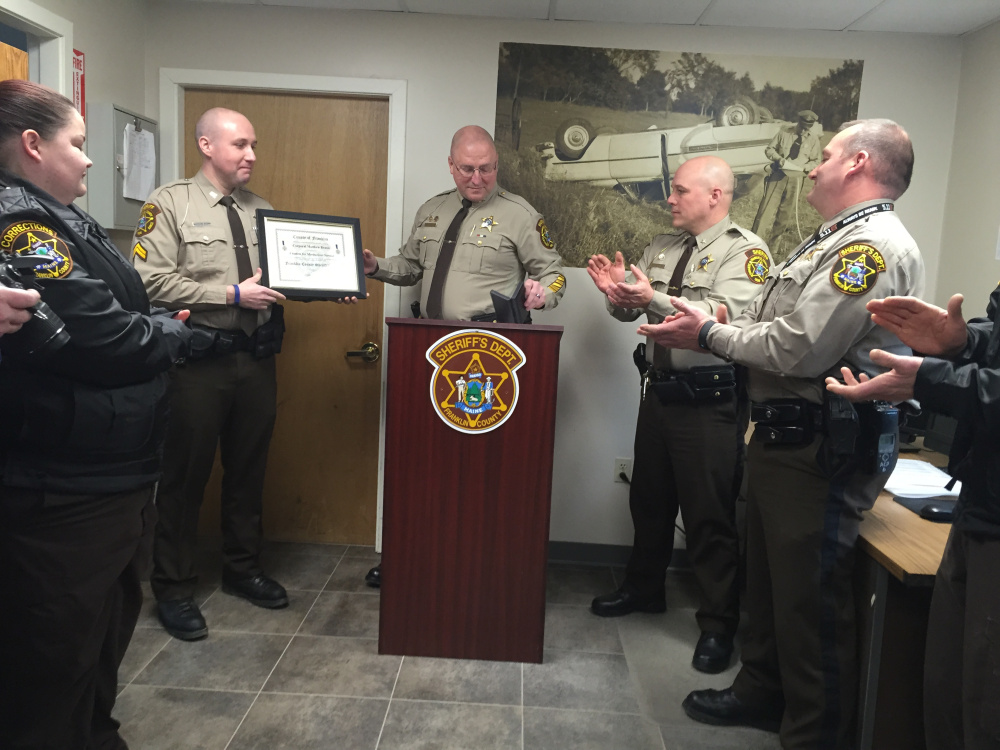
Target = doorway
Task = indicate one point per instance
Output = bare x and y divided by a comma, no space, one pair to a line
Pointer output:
324,154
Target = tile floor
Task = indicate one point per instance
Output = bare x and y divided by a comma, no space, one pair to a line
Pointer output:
310,676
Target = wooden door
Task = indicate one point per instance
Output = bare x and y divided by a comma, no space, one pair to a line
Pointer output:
13,63
326,155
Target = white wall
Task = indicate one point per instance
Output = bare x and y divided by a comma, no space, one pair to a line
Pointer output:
450,66
972,209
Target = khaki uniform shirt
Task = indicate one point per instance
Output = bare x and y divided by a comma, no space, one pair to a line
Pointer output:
502,240
728,267
810,319
183,249
780,147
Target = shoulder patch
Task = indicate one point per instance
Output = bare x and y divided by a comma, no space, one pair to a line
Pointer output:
543,234
758,265
32,238
147,219
856,268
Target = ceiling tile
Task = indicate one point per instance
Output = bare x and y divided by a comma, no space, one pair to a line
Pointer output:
489,8
788,14
392,5
680,12
930,16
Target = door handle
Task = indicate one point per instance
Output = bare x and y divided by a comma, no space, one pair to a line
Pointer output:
369,352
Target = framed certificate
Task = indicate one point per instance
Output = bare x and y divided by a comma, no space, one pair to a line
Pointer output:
310,256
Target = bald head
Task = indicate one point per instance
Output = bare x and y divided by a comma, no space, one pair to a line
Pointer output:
473,163
471,135
701,193
227,141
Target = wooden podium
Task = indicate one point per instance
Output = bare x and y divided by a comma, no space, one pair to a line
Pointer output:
466,513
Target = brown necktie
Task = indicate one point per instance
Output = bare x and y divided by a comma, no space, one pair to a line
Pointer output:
436,293
248,318
659,359
674,287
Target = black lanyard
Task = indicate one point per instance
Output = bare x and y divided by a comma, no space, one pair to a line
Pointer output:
821,235
824,233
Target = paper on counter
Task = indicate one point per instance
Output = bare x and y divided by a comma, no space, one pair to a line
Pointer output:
913,478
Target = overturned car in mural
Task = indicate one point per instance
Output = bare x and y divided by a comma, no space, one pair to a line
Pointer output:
642,163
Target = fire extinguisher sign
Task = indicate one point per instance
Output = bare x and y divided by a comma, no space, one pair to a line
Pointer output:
79,91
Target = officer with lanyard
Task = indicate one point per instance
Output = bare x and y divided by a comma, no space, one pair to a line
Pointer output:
814,464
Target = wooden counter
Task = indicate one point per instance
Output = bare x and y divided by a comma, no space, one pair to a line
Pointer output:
894,581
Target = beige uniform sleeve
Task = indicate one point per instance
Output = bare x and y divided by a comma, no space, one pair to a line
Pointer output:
732,285
159,253
537,252
403,269
821,322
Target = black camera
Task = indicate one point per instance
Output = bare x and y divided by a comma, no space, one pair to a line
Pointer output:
45,331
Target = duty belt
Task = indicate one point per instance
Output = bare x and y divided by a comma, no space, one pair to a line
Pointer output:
697,385
788,421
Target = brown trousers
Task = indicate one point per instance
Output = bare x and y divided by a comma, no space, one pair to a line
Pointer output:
226,402
800,647
688,457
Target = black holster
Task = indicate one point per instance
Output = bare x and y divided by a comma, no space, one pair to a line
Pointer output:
787,421
267,338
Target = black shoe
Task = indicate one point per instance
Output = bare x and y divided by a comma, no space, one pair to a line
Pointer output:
182,619
723,708
623,602
259,589
713,653
374,577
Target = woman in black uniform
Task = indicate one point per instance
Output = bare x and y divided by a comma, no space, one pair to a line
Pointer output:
82,415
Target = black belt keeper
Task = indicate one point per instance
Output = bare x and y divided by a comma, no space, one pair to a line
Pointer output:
789,421
698,385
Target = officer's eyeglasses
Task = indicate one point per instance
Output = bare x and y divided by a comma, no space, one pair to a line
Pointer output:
468,170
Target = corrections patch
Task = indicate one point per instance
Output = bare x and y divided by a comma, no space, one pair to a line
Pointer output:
147,220
758,265
543,234
138,252
32,238
857,269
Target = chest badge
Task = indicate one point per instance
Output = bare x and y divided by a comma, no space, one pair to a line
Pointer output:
474,385
857,269
489,222
703,263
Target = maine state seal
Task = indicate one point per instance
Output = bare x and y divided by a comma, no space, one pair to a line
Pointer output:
474,385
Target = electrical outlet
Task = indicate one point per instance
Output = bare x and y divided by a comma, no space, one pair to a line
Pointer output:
623,466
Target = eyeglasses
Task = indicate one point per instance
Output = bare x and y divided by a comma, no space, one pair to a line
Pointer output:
468,170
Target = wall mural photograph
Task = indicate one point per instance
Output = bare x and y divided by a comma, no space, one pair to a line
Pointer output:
591,136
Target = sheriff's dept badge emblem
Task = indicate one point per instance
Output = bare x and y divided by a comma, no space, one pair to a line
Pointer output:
758,265
857,269
31,238
474,386
544,235
147,219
